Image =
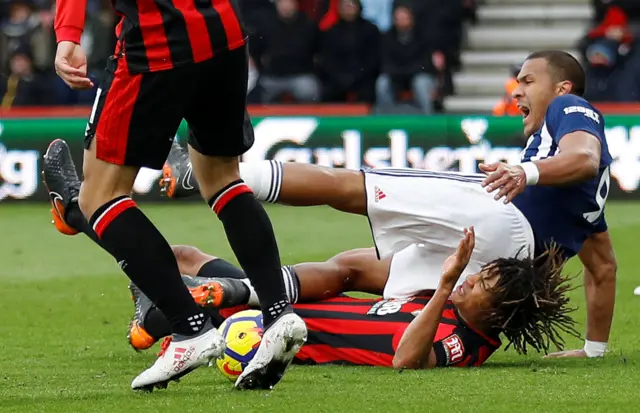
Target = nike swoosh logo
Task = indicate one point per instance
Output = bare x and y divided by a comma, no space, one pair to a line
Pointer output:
187,177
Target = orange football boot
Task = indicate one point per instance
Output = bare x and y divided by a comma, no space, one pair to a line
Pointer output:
61,180
137,336
177,174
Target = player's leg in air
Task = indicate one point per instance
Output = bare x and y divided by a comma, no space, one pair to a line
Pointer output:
405,207
216,283
130,115
214,153
524,299
219,132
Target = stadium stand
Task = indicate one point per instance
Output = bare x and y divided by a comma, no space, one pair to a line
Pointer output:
344,55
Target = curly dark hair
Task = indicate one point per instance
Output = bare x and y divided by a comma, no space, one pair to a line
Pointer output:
530,305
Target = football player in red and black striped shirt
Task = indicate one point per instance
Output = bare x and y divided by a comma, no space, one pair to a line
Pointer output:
174,60
523,299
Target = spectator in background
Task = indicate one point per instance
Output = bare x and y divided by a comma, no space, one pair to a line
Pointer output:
612,60
441,22
24,24
349,56
286,52
406,64
630,7
323,12
507,105
378,12
23,86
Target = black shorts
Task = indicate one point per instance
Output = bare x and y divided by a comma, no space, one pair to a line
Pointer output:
135,117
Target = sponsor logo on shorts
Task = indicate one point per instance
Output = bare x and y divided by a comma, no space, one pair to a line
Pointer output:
378,193
453,348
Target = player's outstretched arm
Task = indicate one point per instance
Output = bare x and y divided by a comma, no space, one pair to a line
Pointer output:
415,350
578,160
577,130
600,288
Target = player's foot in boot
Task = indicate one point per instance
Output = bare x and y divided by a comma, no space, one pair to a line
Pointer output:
177,178
62,183
280,343
216,292
137,335
179,356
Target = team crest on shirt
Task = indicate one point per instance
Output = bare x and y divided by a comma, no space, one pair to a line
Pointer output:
453,348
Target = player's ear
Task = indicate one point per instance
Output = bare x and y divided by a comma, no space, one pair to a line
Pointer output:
564,87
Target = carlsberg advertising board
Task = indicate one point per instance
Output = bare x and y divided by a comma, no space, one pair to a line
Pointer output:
437,143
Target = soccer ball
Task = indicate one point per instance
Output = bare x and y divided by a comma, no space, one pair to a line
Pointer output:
242,332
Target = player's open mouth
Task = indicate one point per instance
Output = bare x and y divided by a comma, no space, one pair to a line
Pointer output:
525,111
460,290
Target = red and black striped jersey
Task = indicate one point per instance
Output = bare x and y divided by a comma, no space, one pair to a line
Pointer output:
347,330
155,35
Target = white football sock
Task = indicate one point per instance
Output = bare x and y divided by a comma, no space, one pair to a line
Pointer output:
264,178
253,297
290,285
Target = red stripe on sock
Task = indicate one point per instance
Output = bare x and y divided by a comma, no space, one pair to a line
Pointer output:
112,213
228,195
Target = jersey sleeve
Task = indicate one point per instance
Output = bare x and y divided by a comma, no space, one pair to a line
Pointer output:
570,113
69,20
462,348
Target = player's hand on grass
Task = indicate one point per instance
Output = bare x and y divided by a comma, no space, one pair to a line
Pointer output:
509,179
568,354
455,264
71,65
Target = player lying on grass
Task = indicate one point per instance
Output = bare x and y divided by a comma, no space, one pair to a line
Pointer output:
417,215
523,299
557,194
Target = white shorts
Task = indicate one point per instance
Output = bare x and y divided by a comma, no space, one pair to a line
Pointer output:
420,215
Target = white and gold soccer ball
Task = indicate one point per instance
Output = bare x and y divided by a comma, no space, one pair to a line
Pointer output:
243,333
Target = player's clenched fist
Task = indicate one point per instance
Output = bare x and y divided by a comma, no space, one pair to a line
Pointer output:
71,65
455,264
509,179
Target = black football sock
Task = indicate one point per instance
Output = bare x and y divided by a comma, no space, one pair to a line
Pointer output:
155,323
219,268
251,237
75,219
146,257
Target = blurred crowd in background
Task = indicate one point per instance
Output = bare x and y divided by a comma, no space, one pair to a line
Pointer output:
380,52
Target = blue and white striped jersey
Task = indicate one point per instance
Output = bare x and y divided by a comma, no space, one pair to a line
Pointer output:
569,214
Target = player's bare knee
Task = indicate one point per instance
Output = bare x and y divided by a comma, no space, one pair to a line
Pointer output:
189,258
606,274
350,191
345,269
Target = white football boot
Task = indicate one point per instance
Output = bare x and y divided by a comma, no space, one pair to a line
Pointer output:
181,355
280,343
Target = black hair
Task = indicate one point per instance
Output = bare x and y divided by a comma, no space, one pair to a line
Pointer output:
530,305
563,66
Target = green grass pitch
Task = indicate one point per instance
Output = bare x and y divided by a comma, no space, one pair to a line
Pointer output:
64,309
